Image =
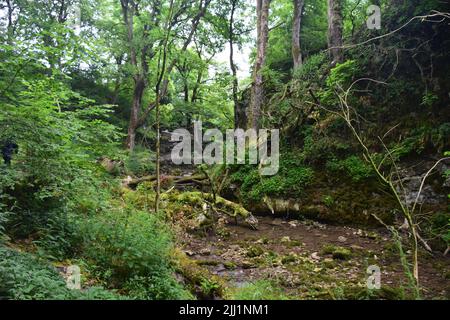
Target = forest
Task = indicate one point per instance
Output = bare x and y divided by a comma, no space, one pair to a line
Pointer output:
351,99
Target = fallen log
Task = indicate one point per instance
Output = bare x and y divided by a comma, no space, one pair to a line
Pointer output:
176,180
225,206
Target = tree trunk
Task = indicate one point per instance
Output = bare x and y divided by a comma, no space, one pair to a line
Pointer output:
233,65
139,88
257,96
296,49
335,26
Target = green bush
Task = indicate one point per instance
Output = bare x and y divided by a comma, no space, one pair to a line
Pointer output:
24,277
126,245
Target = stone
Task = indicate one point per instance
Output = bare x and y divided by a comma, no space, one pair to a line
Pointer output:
342,239
315,256
189,253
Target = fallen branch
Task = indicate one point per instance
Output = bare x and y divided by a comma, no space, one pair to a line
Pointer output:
228,207
177,180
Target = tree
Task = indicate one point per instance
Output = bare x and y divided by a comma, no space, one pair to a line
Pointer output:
296,28
257,94
232,64
335,26
140,51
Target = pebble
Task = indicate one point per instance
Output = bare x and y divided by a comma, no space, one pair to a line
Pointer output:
342,239
315,256
293,224
189,253
205,252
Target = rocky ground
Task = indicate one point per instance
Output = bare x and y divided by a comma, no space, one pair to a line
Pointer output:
310,260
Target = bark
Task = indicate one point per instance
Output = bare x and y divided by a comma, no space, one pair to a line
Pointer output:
176,180
138,93
196,89
233,65
296,49
335,26
128,11
257,96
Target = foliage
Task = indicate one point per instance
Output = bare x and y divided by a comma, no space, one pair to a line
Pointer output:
130,245
259,290
23,277
356,168
292,179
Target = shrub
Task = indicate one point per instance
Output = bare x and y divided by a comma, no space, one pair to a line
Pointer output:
127,245
24,277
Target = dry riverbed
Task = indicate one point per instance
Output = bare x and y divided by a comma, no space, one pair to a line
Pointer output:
310,260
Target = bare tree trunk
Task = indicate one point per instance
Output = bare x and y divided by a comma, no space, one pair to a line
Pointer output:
196,89
335,26
257,96
128,11
138,93
233,65
296,49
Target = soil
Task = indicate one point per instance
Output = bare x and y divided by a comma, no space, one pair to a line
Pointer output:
298,256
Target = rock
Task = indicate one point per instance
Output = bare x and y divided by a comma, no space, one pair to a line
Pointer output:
285,239
277,222
205,252
342,239
220,268
315,256
201,220
293,224
262,241
189,253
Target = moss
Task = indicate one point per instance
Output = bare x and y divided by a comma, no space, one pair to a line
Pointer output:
353,166
289,258
292,179
254,251
229,265
294,243
199,280
338,253
207,262
329,263
342,254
